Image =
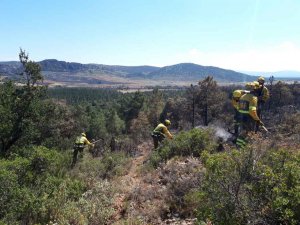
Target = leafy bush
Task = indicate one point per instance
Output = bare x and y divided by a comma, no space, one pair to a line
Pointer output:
241,188
190,143
30,181
43,160
95,206
111,164
13,198
181,177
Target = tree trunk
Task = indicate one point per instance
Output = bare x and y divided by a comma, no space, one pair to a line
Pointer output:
206,115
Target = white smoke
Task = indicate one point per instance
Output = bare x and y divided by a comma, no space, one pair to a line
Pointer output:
220,132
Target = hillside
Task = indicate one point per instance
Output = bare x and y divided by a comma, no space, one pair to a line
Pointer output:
194,72
201,175
77,74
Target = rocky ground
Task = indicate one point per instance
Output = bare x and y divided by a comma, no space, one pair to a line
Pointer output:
148,197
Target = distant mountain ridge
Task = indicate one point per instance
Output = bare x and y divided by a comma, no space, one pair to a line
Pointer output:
66,71
62,66
192,71
9,68
54,65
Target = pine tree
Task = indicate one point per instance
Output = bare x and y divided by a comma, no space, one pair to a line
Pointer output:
18,102
209,99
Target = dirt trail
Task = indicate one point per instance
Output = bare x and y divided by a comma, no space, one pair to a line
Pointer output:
131,180
142,195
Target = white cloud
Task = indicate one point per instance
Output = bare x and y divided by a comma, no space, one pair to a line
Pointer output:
285,56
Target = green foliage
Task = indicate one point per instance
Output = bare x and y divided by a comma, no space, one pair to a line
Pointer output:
75,96
190,143
279,186
241,188
140,128
31,71
131,106
37,186
97,124
44,160
55,125
176,111
13,198
95,206
155,106
209,99
111,164
17,105
30,180
115,125
281,95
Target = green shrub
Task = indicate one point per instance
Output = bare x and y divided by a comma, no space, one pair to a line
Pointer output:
278,185
13,198
44,160
19,167
248,187
109,165
95,206
190,143
31,181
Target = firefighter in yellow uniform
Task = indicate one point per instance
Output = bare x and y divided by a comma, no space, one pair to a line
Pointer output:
236,95
247,108
160,132
262,97
80,143
263,92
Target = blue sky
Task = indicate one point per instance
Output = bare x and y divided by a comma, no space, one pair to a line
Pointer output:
249,35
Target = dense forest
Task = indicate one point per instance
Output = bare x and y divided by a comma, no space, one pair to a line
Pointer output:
187,180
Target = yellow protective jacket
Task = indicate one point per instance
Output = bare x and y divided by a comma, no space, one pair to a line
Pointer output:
263,94
248,105
235,101
163,130
82,141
